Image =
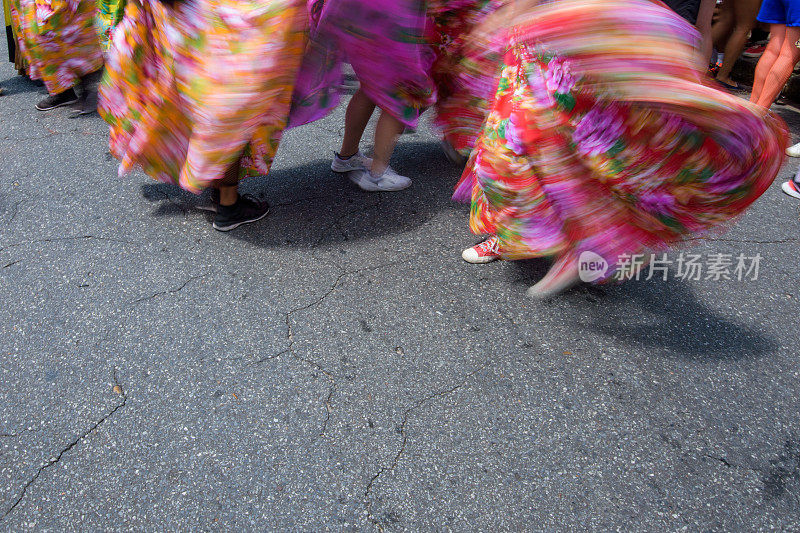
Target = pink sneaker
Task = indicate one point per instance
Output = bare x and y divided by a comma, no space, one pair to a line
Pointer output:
482,253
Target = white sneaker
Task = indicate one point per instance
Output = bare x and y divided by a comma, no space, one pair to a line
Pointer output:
389,181
355,162
793,151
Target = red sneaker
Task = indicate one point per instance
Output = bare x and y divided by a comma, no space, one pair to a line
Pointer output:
755,51
485,252
792,188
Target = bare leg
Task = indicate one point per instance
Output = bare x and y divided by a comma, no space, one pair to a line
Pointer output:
228,185
768,58
781,70
386,134
723,26
704,27
359,111
745,13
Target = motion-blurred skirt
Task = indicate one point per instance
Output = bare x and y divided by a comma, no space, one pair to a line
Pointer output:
464,75
190,88
597,140
385,43
58,40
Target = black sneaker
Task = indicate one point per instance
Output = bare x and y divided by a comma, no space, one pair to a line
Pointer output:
57,100
244,211
210,202
87,101
87,104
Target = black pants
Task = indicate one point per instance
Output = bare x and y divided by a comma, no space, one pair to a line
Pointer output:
688,9
11,44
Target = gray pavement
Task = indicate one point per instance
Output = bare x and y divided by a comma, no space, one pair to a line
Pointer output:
338,367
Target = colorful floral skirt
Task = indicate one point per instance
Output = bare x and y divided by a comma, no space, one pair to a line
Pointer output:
190,89
599,141
464,73
384,42
58,40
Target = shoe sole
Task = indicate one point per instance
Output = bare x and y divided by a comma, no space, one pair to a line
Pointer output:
82,113
55,106
344,170
371,187
792,153
788,189
480,260
210,208
234,226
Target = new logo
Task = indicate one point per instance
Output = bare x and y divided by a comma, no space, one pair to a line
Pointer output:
591,267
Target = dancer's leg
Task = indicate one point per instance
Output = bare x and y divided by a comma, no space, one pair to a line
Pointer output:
704,16
782,68
744,16
561,276
386,133
234,210
767,60
356,118
228,185
723,26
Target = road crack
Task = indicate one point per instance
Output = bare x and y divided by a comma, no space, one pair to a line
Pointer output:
290,334
168,291
340,218
404,433
15,210
291,350
117,388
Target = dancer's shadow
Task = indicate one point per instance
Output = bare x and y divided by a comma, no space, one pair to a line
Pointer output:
666,317
20,85
662,316
312,205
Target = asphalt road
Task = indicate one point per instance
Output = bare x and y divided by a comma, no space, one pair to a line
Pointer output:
338,367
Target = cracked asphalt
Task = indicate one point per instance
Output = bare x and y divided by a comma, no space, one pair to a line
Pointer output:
338,367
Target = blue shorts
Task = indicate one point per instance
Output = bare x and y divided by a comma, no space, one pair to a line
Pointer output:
786,12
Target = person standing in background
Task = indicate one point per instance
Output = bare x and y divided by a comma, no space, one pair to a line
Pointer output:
60,45
777,63
698,13
736,19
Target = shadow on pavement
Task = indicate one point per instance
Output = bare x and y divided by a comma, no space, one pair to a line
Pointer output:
312,205
19,85
666,315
